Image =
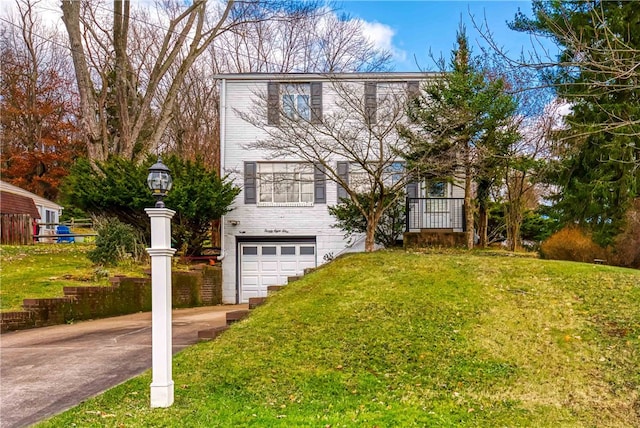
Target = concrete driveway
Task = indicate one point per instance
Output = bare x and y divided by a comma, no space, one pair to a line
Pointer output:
45,371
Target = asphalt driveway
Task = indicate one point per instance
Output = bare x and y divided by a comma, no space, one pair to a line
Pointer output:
45,371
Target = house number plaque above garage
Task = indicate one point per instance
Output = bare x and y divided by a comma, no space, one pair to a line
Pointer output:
276,231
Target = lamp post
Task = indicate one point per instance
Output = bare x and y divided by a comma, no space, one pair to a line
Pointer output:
159,181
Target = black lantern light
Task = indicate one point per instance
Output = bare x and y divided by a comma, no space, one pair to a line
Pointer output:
159,181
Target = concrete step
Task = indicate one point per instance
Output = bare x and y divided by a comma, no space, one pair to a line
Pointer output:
254,302
212,333
274,288
235,316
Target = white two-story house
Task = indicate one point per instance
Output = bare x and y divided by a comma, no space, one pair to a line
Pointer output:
279,224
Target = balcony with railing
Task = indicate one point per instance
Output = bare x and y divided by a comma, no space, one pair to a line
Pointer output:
435,214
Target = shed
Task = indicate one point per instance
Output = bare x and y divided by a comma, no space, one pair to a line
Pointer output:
49,211
18,215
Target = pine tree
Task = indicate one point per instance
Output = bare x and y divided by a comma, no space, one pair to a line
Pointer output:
459,125
597,73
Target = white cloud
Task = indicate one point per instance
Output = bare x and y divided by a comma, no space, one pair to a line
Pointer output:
48,12
382,37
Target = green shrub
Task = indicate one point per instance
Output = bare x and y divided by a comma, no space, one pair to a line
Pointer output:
115,242
118,188
351,220
572,244
536,226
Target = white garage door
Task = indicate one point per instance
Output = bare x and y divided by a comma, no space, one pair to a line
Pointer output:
265,264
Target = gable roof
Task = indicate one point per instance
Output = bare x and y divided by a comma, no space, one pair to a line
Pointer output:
38,200
12,203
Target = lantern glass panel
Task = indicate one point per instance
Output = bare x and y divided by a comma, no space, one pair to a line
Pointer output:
159,181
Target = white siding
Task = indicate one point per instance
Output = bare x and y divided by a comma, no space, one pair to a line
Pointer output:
268,222
248,221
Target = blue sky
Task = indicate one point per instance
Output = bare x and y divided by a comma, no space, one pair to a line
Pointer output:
410,28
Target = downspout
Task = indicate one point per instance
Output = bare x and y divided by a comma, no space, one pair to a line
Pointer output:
223,133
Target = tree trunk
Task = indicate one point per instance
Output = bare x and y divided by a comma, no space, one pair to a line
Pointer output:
369,241
89,124
514,222
125,97
483,225
468,201
373,218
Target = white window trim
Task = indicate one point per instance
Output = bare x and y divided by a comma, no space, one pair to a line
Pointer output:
389,177
284,204
296,90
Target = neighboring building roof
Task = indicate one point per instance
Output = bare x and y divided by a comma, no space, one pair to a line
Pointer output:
329,76
38,200
12,203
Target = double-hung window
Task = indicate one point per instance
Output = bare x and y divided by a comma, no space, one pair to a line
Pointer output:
285,184
361,180
296,100
50,218
383,100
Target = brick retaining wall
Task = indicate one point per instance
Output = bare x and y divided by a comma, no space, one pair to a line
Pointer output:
199,287
430,238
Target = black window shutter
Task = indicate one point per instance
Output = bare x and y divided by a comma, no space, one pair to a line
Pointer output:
412,189
250,182
273,103
319,184
343,173
316,102
370,101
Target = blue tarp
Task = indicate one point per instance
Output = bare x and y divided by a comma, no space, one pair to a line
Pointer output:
64,230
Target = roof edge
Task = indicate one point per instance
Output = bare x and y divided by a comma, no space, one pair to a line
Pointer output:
408,75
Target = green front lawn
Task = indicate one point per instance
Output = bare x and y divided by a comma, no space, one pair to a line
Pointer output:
43,270
394,339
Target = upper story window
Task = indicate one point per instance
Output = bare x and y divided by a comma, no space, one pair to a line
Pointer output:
386,99
285,184
296,100
391,92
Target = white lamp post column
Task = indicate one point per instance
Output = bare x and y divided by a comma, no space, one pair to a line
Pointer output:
161,253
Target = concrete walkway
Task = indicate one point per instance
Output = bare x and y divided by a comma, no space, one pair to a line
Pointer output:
45,371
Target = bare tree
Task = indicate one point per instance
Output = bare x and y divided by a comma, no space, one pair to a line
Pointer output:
316,40
525,163
122,100
313,40
193,131
353,130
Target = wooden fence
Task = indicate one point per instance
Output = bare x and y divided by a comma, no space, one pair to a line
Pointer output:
16,229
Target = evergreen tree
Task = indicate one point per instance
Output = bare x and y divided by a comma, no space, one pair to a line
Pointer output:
598,172
459,125
118,188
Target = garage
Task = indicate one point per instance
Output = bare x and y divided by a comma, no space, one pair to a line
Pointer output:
262,264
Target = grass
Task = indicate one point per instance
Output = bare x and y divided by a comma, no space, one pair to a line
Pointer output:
409,339
43,270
